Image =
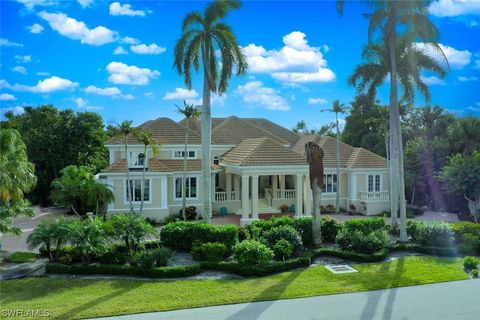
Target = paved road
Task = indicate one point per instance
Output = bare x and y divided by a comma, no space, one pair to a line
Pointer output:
459,300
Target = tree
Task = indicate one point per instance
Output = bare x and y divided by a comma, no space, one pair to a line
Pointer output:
337,108
131,229
201,36
78,189
300,127
465,134
462,174
190,112
147,140
16,178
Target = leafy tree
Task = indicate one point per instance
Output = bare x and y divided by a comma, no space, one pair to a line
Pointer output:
78,189
131,229
462,174
16,178
190,112
465,134
202,34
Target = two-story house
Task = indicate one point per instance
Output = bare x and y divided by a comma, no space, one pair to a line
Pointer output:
257,166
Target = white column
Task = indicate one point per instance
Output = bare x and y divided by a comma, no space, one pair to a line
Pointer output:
213,187
282,186
236,182
308,196
111,156
299,195
229,186
254,197
245,200
353,186
274,186
164,192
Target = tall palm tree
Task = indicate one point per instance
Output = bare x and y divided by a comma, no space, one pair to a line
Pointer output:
337,108
190,112
146,138
202,34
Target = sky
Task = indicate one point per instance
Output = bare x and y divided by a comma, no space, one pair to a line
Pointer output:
116,58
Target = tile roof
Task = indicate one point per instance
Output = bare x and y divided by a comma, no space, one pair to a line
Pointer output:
156,165
262,151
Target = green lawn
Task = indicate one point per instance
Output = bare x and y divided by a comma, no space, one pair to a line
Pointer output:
69,298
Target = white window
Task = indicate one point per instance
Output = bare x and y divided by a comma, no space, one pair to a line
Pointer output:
137,159
330,183
180,154
373,183
136,190
190,185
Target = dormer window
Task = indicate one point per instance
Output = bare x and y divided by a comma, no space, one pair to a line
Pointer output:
216,160
136,160
180,154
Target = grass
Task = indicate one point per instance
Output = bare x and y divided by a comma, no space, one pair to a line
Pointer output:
21,257
77,298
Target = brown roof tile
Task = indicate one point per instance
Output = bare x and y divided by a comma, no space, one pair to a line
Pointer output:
156,165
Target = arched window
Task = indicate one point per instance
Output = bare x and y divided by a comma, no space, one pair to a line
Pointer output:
216,160
140,159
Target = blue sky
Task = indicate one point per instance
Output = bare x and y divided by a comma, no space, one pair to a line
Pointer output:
116,58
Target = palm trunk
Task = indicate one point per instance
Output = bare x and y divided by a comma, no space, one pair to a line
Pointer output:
403,202
75,211
206,141
337,198
317,217
142,187
184,181
129,191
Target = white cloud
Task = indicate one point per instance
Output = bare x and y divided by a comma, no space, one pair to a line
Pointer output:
78,30
43,74
30,4
121,73
129,40
296,61
48,85
119,50
7,43
84,104
180,94
456,58
147,49
85,3
7,97
465,79
254,92
317,101
19,69
117,9
450,8
433,81
15,110
477,64
149,94
36,28
23,59
113,92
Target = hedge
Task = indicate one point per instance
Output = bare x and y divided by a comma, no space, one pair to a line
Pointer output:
181,235
258,270
106,269
350,255
437,251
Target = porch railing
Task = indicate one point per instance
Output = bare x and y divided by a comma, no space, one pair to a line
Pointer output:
374,196
222,196
286,194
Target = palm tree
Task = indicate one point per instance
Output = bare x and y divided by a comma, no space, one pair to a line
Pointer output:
300,127
147,140
201,36
98,194
190,112
337,108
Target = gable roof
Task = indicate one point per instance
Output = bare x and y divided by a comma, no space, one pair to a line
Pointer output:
164,131
262,151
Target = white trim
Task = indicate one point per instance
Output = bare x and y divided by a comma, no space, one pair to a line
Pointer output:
174,157
175,177
381,182
126,209
267,170
126,202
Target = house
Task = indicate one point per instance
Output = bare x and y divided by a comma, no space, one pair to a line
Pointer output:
257,166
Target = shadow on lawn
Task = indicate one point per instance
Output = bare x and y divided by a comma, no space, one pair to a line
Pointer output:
268,296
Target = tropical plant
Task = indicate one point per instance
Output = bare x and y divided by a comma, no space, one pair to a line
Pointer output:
190,112
131,228
146,138
201,36
88,237
50,233
465,133
300,127
16,178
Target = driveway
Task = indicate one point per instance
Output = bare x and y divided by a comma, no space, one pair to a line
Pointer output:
459,300
27,224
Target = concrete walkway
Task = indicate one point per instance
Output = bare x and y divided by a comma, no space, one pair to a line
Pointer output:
459,300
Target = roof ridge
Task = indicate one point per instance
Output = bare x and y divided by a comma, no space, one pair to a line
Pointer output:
261,141
258,127
356,153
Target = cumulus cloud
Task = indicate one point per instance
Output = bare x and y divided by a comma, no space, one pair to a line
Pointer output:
85,3
113,92
7,43
317,101
118,9
120,73
180,94
451,8
48,85
466,79
78,30
30,4
43,74
20,69
7,97
36,28
119,50
15,110
433,81
456,58
254,92
23,59
85,104
129,40
147,49
295,62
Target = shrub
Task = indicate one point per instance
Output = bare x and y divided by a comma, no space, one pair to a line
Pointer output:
162,255
130,228
50,233
282,249
287,233
354,256
303,226
191,213
114,254
467,237
475,273
211,251
88,238
22,257
361,242
181,235
169,219
258,227
437,234
252,252
243,234
284,208
365,225
142,259
330,228
470,263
